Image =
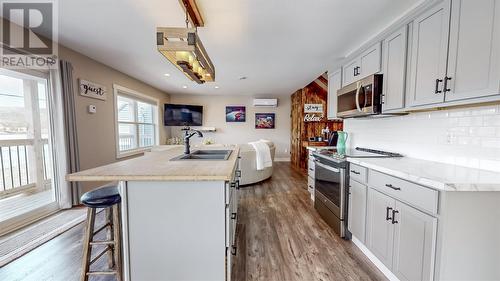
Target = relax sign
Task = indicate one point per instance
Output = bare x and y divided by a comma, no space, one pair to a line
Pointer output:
314,112
92,90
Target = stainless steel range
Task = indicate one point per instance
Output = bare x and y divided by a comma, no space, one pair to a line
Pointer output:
331,183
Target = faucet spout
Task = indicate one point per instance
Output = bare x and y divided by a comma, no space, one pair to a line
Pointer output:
188,133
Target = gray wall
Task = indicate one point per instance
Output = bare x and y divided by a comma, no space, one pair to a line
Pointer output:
236,133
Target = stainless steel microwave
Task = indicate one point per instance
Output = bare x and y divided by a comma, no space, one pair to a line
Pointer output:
360,98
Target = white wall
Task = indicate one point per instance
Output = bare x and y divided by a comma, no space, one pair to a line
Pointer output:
467,136
214,109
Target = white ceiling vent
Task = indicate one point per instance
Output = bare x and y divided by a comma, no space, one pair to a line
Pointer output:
265,102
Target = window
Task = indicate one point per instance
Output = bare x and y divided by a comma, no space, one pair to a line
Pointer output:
136,118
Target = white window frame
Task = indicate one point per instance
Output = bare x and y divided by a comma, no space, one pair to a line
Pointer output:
117,89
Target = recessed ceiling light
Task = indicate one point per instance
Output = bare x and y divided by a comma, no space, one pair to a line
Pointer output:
167,74
216,87
184,87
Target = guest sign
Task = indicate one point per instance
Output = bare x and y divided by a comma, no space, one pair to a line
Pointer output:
314,112
92,90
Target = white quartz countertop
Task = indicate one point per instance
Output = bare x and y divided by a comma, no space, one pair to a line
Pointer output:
156,166
439,176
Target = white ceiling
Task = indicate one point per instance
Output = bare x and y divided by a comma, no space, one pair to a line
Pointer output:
280,45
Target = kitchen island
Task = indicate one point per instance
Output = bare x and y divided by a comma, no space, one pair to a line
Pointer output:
178,217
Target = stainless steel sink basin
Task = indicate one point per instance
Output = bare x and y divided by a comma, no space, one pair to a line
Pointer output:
205,152
205,155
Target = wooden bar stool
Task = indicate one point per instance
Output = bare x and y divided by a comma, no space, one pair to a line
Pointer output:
109,198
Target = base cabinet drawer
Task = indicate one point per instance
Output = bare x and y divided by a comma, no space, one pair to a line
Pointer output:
358,173
310,183
400,236
416,195
310,168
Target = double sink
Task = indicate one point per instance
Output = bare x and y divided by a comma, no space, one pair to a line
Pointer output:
213,155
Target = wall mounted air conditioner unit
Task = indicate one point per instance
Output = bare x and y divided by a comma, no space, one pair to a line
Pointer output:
265,102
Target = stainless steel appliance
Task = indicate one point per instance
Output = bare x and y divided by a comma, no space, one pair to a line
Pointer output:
360,98
331,183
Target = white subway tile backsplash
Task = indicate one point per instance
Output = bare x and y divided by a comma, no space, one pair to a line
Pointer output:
465,136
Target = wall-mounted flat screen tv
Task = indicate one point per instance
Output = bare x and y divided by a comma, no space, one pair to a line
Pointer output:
183,115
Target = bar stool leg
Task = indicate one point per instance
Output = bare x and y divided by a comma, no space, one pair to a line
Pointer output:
87,248
117,240
110,237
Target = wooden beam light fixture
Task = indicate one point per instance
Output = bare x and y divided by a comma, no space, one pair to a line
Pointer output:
183,48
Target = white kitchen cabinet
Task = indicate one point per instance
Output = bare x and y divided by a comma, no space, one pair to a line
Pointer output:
357,210
349,72
379,228
394,69
414,243
367,63
429,50
474,50
370,61
334,84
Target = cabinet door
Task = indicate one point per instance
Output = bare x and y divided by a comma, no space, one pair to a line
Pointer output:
379,229
348,71
474,61
369,61
394,69
428,55
414,242
357,210
334,83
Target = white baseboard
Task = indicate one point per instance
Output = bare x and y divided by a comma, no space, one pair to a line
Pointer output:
386,271
285,159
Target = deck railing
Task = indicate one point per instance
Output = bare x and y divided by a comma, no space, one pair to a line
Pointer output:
128,142
18,165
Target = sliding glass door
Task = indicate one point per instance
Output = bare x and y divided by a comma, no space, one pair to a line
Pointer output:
27,189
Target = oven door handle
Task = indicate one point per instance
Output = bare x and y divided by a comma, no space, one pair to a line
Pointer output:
358,89
327,167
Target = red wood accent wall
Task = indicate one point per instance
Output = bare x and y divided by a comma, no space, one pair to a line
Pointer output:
315,92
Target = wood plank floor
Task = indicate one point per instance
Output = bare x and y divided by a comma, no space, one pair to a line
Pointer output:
280,238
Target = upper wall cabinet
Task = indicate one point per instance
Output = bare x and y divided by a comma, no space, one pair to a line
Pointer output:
455,54
473,53
394,70
428,55
334,84
369,62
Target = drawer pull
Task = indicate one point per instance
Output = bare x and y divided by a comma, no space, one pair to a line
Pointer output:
394,212
311,187
237,184
355,172
387,218
392,186
311,169
233,216
233,250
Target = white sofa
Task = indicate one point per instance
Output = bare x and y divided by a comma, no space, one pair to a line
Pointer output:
249,172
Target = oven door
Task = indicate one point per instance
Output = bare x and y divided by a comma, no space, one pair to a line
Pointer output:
329,183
